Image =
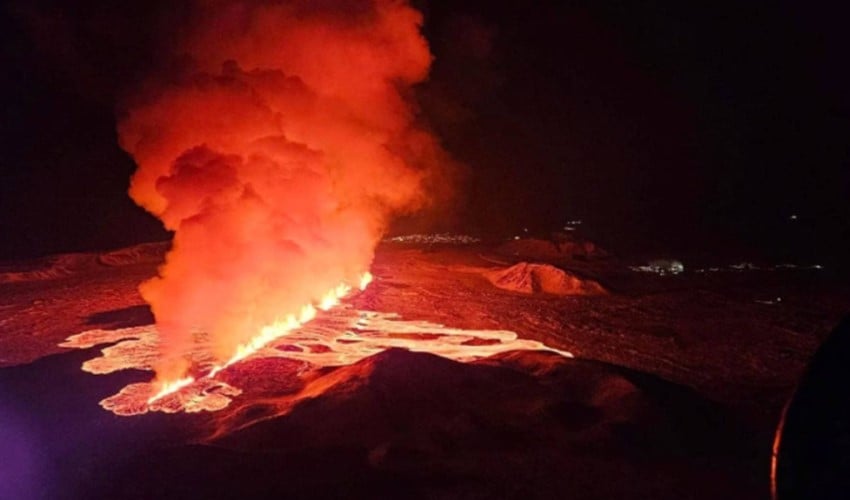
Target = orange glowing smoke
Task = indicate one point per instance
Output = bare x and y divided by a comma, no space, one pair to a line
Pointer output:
276,146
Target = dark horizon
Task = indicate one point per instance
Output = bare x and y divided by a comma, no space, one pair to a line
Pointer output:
664,127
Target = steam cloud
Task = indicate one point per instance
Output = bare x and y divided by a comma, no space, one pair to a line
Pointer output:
277,149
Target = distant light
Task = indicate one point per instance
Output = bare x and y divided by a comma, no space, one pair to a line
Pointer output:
793,217
661,267
525,229
516,237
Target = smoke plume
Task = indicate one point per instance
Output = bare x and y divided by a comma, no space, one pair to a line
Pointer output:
277,146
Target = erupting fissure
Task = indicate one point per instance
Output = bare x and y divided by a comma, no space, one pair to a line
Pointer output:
267,334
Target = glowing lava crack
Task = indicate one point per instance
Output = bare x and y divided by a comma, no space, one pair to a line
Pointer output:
267,334
328,337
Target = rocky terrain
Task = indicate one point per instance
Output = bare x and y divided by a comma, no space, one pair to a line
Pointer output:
674,391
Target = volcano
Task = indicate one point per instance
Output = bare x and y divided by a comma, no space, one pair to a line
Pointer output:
432,382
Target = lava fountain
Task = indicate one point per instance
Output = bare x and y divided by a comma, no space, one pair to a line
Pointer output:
276,142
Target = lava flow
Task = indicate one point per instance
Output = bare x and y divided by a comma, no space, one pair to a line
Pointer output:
338,336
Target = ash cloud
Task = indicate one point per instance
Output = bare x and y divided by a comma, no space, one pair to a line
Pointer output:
277,148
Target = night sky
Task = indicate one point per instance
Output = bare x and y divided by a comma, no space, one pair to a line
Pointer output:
662,125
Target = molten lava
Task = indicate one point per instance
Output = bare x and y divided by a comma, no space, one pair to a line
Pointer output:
337,337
